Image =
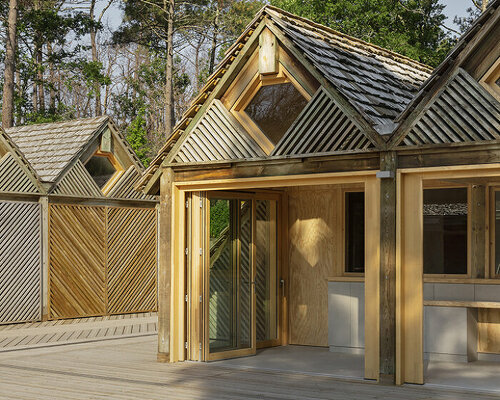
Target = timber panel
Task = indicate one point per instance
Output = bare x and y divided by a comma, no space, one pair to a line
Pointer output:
217,136
314,252
124,188
77,257
462,112
489,331
78,182
322,127
13,178
20,262
131,273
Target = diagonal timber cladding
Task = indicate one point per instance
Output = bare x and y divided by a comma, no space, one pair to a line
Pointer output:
462,112
322,127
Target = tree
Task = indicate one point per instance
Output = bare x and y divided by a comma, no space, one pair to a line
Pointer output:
10,66
410,27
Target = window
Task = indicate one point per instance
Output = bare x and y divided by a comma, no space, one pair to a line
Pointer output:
491,80
445,231
101,169
496,233
274,108
354,232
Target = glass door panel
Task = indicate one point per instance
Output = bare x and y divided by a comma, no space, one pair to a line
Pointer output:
230,279
266,279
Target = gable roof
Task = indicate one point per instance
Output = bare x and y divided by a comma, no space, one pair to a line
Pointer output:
376,84
50,148
462,53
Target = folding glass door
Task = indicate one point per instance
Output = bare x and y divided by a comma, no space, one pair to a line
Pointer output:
241,279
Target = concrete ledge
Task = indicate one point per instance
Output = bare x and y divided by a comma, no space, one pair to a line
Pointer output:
445,357
347,350
488,357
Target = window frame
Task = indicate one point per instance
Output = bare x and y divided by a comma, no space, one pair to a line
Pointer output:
344,191
257,82
119,170
490,227
488,80
441,185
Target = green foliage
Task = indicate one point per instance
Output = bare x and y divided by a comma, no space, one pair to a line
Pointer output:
410,27
219,217
136,134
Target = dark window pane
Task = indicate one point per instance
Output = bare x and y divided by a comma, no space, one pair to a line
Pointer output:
445,231
274,108
497,233
101,170
355,232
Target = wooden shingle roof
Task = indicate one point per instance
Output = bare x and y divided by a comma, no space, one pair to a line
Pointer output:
49,148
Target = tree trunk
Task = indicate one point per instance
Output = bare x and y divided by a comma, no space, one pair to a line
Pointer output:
52,103
169,103
10,67
214,40
95,59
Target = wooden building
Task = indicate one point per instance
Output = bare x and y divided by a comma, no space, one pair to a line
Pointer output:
324,191
76,239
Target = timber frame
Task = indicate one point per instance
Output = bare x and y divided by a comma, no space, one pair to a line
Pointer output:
447,134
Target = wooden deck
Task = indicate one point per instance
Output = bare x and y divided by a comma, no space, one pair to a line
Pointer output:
68,331
127,369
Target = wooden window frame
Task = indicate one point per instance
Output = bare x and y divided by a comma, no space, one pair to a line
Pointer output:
258,81
344,231
488,81
441,185
116,165
490,218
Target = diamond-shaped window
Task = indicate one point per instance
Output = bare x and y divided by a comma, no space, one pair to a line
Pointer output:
274,108
101,169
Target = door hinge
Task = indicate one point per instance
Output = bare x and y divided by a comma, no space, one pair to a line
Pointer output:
201,251
187,204
201,299
201,203
186,251
185,345
200,345
186,298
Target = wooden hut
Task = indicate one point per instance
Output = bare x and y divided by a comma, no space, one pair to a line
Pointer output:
320,188
76,239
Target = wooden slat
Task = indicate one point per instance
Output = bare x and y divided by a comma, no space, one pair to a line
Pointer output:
13,178
131,260
124,188
78,182
20,262
77,261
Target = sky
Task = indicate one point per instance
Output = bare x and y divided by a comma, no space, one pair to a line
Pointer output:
453,8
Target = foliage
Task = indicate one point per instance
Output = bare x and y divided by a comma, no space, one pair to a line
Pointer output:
136,134
219,217
410,27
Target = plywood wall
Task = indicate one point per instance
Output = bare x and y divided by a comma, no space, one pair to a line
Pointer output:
489,331
315,253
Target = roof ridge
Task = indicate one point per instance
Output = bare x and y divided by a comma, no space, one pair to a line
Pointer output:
354,41
37,126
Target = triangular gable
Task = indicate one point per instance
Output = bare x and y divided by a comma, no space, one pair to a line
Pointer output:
16,173
77,182
217,136
462,112
333,130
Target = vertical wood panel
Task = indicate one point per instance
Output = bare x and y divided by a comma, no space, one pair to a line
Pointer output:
131,260
20,262
77,261
410,290
489,331
314,249
372,278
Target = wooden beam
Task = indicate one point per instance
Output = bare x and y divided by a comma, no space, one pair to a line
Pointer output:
44,204
268,53
164,270
372,278
388,162
478,231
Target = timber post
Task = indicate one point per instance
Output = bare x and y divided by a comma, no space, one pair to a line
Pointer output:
44,209
478,231
165,266
388,167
